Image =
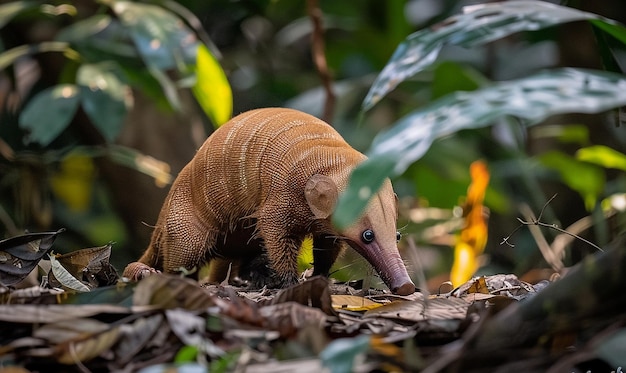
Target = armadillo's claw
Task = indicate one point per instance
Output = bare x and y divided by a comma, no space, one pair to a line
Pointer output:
136,271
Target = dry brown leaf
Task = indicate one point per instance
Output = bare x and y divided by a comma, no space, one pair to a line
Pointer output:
19,255
66,330
190,329
353,303
135,336
169,291
313,292
86,348
59,276
288,318
78,340
437,308
507,285
31,295
91,266
42,314
300,366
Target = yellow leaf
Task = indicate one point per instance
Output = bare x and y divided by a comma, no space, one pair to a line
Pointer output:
305,258
353,303
73,183
211,88
465,263
471,240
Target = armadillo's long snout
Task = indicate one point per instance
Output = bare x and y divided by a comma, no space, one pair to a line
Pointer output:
389,266
396,276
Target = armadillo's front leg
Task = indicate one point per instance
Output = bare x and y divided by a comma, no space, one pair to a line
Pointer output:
188,244
135,271
282,249
142,268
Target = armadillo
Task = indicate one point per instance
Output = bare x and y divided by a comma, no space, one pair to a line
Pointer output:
256,188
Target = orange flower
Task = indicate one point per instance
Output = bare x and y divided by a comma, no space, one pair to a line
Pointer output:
471,240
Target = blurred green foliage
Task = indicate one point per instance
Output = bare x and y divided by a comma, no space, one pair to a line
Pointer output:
73,71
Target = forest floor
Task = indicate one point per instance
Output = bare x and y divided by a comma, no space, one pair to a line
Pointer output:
169,323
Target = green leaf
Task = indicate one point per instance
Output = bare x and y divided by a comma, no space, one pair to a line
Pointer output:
104,97
586,179
451,76
187,354
10,10
84,29
163,40
9,56
612,349
339,355
602,156
211,88
532,98
477,25
571,133
616,30
364,182
50,112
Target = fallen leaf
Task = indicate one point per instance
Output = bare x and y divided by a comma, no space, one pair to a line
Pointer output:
436,308
135,336
169,291
66,330
50,313
353,303
90,266
507,285
288,318
191,330
313,292
19,255
86,348
63,277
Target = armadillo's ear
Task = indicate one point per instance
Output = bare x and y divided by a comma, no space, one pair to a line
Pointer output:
321,194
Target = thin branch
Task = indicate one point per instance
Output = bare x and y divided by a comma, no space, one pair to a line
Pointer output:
556,228
319,57
562,240
544,207
538,222
551,258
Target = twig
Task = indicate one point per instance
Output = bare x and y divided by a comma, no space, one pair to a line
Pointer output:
538,222
319,57
560,241
549,255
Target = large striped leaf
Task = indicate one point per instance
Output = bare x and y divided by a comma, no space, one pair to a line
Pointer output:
477,25
532,99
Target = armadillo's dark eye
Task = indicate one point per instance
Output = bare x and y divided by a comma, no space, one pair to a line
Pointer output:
367,236
398,236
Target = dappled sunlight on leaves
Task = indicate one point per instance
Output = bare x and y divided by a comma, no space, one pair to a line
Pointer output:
211,88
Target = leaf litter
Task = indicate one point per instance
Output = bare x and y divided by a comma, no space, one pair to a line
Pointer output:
169,323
